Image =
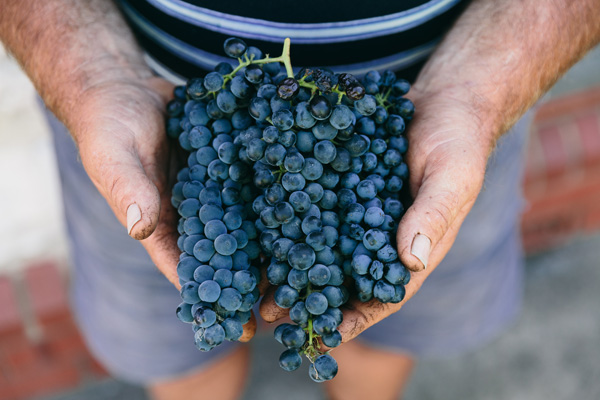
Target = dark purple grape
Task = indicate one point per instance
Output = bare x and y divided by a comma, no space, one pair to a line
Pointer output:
254,74
320,108
345,80
355,91
288,88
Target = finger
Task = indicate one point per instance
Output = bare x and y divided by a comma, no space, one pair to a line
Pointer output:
268,309
161,245
359,316
249,329
442,196
264,284
133,197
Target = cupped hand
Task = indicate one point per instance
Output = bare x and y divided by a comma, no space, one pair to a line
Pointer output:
120,133
124,149
447,159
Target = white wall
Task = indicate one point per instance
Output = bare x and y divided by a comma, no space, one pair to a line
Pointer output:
31,224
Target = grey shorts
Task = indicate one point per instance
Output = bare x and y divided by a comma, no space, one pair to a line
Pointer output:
126,308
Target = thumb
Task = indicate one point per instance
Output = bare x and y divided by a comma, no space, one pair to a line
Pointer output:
120,177
441,204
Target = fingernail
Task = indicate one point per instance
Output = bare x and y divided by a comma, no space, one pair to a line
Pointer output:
421,247
134,215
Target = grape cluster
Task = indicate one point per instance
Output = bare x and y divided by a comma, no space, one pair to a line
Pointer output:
329,162
218,266
305,170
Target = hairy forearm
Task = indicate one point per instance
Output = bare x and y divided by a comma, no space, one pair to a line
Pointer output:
68,47
501,56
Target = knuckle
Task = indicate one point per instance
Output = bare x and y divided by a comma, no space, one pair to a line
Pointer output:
443,212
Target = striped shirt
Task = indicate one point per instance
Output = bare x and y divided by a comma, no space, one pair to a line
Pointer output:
184,38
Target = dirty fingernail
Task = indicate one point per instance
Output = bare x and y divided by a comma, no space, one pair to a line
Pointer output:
134,215
421,247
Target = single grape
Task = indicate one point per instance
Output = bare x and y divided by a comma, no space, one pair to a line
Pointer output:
230,298
205,317
277,272
299,314
213,81
285,296
233,329
283,119
319,275
184,313
301,256
325,151
320,107
316,303
214,335
234,47
293,337
209,291
254,74
324,368
324,325
288,88
383,291
290,360
341,117
297,279
333,339
243,281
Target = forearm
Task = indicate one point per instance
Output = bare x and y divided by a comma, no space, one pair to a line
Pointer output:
501,56
68,47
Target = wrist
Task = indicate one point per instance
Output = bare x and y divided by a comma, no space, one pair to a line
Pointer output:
454,112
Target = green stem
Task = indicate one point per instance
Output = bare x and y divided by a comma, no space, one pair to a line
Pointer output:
310,332
287,61
283,58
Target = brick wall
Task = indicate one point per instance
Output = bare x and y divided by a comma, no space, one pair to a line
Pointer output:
562,181
41,350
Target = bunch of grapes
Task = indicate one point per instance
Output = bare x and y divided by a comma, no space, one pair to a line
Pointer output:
305,170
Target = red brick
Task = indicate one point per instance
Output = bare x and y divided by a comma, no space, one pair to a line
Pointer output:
569,105
66,346
589,131
10,316
46,379
554,151
23,357
59,326
7,392
47,292
535,169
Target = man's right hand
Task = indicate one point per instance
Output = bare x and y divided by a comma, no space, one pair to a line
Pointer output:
119,130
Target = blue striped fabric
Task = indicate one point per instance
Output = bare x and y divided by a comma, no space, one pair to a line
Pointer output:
183,39
207,61
307,33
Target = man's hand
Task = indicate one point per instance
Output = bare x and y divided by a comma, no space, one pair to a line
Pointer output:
493,65
447,160
119,130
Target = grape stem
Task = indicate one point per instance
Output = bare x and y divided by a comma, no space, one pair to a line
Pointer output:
315,89
284,58
287,61
382,100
